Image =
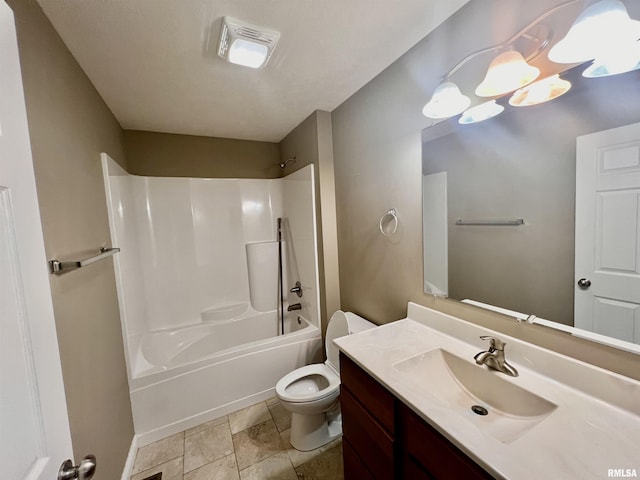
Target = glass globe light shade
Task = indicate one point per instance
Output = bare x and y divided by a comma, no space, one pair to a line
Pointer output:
446,102
481,112
597,29
540,92
623,59
507,72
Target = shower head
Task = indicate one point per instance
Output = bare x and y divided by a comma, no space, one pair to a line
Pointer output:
284,164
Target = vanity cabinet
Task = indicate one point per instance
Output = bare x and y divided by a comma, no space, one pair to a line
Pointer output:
368,425
427,455
385,439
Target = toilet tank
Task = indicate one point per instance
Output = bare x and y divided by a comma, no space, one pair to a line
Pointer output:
340,325
357,323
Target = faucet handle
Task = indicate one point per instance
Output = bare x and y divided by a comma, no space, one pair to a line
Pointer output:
494,343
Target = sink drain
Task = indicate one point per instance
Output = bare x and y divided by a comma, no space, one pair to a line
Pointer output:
479,410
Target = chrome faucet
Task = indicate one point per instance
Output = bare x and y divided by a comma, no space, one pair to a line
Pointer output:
295,306
494,357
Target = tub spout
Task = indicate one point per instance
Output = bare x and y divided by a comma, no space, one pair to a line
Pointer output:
295,306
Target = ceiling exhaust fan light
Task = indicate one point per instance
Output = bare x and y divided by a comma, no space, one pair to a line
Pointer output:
244,44
507,72
249,54
446,102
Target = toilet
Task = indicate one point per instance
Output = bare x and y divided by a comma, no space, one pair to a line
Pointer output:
311,392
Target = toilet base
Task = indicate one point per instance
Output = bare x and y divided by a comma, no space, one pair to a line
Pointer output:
309,432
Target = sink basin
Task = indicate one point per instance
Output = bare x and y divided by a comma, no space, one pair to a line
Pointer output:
506,411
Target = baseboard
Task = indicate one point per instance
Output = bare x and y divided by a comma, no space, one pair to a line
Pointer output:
131,458
145,438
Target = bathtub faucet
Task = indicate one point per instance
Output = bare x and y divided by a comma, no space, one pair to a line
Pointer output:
297,289
295,306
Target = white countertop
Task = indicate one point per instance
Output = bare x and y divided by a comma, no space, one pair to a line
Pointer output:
595,427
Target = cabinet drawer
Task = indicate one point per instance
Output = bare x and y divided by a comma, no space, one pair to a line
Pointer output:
371,443
436,454
373,396
354,469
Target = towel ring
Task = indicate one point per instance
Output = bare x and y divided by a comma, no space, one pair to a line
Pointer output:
385,219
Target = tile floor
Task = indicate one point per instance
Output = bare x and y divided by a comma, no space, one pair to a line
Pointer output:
250,444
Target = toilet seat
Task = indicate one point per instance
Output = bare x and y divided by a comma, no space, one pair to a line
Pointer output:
304,395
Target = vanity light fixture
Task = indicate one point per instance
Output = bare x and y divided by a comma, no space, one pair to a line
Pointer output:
603,32
245,44
540,91
446,102
507,72
481,112
602,27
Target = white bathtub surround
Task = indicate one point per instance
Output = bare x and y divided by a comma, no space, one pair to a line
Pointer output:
224,313
593,426
184,241
197,288
262,264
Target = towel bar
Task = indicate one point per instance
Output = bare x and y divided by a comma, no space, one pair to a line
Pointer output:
496,222
57,267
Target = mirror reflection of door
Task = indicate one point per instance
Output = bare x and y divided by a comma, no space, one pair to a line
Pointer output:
434,234
607,251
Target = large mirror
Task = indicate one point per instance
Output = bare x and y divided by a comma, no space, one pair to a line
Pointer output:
521,165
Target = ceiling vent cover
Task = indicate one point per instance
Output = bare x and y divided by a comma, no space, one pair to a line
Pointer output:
245,44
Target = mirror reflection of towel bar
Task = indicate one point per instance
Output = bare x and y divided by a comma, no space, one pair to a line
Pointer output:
56,266
494,222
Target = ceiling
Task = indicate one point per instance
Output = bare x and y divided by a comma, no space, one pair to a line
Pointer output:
154,62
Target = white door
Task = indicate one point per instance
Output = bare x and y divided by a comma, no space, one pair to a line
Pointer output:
607,264
34,427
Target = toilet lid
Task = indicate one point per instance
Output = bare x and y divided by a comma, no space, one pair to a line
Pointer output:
338,327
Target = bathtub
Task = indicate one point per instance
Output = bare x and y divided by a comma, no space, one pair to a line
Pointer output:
186,376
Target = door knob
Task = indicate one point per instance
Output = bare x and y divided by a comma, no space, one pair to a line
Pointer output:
584,283
83,471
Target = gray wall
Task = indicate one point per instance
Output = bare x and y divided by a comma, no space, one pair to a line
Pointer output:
170,155
377,154
522,165
70,125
